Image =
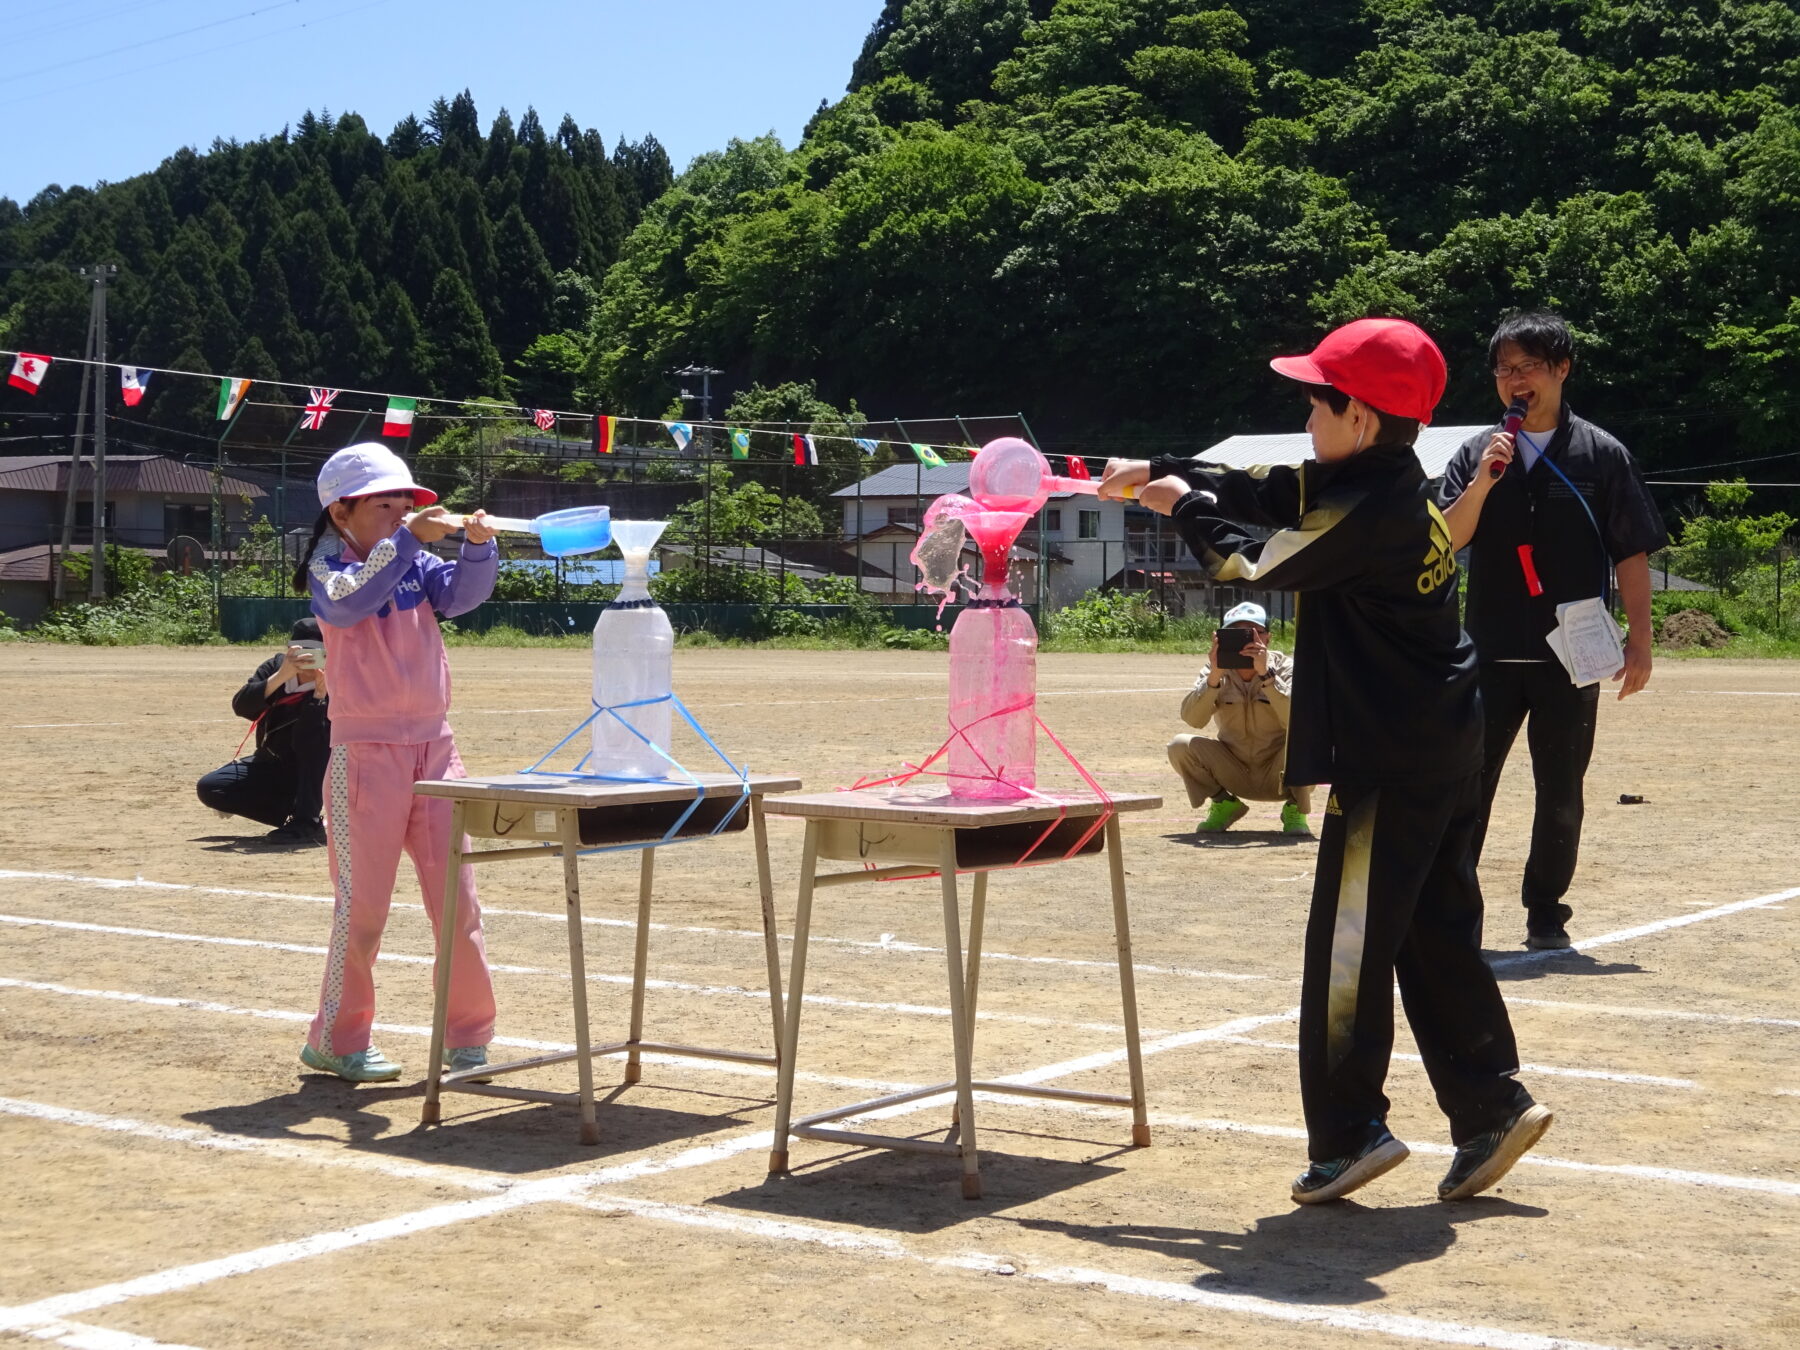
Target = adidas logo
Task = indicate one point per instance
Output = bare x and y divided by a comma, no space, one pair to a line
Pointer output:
1440,558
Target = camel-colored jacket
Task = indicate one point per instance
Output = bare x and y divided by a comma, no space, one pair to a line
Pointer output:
1252,715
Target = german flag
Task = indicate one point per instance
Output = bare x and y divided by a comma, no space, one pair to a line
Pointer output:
605,429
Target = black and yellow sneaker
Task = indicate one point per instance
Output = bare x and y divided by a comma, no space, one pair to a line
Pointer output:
1483,1160
1328,1180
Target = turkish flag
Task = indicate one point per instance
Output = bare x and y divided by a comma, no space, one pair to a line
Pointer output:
28,371
1078,467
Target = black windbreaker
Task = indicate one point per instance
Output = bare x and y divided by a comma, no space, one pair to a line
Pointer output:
283,717
1384,677
1573,552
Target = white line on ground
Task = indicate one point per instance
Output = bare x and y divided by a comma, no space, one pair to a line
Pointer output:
79,1336
1649,929
1639,1079
1653,1014
887,944
1744,693
678,986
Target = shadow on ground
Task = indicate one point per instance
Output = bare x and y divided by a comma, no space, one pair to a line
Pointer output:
1241,839
251,843
488,1134
1314,1254
1517,965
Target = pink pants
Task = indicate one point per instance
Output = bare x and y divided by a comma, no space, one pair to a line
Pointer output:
371,815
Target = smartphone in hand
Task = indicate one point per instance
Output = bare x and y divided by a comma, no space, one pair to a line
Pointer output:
1232,642
309,655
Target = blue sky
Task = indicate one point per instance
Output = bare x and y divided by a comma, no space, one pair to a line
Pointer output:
103,89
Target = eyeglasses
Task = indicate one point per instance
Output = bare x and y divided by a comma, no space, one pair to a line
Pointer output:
1506,372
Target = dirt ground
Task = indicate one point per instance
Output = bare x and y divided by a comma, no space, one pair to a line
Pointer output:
173,1177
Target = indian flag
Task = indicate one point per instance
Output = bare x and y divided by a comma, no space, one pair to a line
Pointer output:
231,394
399,418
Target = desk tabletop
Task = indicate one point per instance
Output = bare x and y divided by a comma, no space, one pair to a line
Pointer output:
901,804
536,789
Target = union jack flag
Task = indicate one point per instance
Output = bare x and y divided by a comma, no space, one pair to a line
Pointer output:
319,403
545,419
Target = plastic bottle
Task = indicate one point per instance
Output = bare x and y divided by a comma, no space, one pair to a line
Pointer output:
993,676
634,649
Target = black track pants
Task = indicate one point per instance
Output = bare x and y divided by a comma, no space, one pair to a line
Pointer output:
1559,731
1395,895
266,789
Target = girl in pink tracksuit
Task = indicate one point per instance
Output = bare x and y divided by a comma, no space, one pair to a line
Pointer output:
377,593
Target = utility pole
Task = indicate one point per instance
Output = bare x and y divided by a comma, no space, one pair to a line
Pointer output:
60,584
100,273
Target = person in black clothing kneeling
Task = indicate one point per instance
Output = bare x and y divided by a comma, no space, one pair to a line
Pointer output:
1535,545
1385,708
283,783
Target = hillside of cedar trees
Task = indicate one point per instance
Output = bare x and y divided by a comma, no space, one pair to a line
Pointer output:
1108,213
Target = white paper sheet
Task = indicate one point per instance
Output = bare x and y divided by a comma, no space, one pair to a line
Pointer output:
1587,641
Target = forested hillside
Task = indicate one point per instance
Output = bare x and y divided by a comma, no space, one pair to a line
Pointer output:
1107,213
440,261
1110,212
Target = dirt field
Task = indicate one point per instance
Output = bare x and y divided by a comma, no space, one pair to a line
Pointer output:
174,1178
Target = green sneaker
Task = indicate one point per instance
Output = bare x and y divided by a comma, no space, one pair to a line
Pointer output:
359,1066
457,1058
1224,811
1293,820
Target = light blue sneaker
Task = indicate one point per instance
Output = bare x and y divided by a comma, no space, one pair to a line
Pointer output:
359,1066
460,1057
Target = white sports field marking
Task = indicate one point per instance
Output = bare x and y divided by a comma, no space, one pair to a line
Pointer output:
678,986
1648,929
747,703
1655,1014
1744,693
1640,1079
79,1336
886,944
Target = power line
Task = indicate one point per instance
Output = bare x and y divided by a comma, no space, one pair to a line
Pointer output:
150,42
66,24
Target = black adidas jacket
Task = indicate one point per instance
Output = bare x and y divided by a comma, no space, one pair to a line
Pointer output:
1384,677
1573,551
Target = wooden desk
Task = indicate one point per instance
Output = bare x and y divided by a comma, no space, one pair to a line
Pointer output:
542,815
908,832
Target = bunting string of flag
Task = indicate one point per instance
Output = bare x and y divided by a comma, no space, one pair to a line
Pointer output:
29,369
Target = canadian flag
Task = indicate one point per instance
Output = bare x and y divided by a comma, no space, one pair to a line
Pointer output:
28,371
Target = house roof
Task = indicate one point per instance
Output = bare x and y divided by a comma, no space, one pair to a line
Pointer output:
155,474
1435,446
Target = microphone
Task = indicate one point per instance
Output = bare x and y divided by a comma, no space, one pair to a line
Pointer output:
1510,424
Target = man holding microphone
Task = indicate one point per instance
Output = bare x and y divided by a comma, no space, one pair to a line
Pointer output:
1553,506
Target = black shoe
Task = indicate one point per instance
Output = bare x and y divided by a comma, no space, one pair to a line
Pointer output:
1486,1158
1544,931
1323,1181
296,833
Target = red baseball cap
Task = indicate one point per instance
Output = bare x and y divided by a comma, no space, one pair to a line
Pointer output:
1389,364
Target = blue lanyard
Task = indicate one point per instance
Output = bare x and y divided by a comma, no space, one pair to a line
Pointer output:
1605,558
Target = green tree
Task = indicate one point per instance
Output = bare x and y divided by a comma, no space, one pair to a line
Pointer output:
467,362
1724,545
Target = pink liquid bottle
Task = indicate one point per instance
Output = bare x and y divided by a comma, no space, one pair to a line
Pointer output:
993,674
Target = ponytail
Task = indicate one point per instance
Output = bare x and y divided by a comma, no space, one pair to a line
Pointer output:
319,527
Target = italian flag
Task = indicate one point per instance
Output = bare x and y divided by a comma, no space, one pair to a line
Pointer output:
605,429
399,418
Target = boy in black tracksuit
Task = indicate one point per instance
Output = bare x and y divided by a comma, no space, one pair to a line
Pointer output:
1385,709
282,784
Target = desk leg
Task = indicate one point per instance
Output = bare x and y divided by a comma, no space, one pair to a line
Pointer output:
790,1031
977,917
1115,860
640,962
570,823
960,1021
446,949
765,885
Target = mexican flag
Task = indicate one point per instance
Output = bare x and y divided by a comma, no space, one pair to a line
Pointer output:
740,443
399,418
927,456
231,394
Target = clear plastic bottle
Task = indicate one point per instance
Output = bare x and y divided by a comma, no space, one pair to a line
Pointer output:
993,677
634,649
